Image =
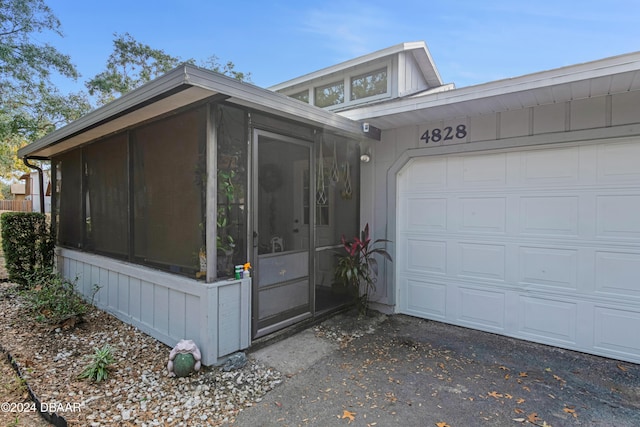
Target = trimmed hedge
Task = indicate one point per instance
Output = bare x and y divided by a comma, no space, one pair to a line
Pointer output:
27,242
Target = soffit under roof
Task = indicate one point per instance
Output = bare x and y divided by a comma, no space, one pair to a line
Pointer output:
608,76
180,87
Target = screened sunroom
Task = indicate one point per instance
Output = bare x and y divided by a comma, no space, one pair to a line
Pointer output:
160,194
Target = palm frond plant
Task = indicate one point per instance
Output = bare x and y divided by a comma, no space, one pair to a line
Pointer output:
357,270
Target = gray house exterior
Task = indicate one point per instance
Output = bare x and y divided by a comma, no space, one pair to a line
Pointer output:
511,205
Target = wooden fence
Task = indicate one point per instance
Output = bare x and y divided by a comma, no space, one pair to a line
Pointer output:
16,205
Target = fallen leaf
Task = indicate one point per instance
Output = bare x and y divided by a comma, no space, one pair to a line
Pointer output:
533,418
520,401
622,368
442,424
559,379
495,394
523,374
519,420
518,411
350,415
504,368
507,376
508,396
570,411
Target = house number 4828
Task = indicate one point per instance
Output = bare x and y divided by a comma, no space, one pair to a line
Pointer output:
446,134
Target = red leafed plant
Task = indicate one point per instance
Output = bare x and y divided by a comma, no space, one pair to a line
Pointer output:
358,269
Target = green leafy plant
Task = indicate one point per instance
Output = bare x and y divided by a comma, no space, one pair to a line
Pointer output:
226,196
358,269
27,243
51,299
100,364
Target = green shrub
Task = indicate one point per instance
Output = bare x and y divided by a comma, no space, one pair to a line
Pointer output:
27,243
101,361
51,299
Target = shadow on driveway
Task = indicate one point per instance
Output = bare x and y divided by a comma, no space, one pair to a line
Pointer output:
413,372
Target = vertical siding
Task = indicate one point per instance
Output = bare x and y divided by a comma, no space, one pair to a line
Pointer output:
177,314
134,298
216,316
588,113
161,308
228,318
146,298
624,108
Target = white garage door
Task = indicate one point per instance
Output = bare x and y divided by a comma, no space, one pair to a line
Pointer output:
541,244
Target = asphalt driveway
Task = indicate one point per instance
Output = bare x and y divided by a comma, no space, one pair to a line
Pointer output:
404,371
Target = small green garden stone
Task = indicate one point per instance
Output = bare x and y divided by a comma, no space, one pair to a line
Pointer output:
183,364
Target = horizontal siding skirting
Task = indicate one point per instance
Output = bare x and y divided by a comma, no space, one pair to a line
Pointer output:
216,316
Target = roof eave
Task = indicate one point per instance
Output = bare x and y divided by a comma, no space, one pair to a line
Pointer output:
180,87
166,85
502,88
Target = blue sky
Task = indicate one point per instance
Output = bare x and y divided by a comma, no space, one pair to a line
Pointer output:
471,41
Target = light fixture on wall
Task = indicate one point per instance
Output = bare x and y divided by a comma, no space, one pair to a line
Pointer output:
365,157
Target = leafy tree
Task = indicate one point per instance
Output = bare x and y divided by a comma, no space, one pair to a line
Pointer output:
30,104
132,64
228,69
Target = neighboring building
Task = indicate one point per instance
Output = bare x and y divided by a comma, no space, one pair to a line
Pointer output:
30,190
32,183
19,191
511,205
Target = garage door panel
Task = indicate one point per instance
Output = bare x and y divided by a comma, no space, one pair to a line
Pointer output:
548,320
544,167
481,261
550,267
426,256
426,214
618,273
556,215
618,163
426,174
617,216
426,299
616,331
487,170
481,309
483,214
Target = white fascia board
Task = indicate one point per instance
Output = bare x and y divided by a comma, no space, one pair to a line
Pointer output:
196,84
420,48
505,87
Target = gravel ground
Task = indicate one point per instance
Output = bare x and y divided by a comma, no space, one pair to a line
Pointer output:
138,390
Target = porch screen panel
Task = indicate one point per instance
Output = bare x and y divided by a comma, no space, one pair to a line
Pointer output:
169,180
69,198
342,173
107,197
231,210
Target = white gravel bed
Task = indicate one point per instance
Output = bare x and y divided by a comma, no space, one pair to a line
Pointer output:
138,390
